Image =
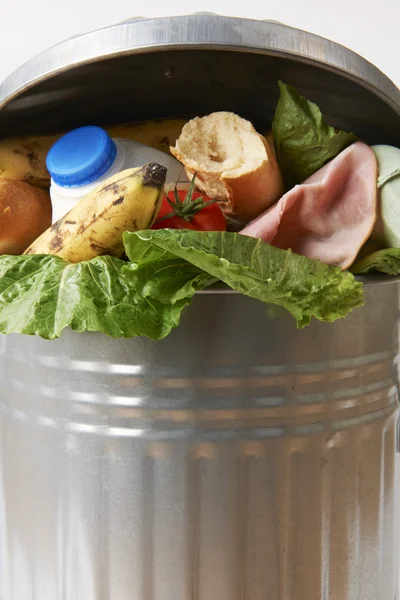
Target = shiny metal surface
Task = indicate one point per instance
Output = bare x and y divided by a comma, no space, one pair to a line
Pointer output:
242,460
197,31
195,64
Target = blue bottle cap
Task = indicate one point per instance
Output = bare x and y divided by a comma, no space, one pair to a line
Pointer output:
81,156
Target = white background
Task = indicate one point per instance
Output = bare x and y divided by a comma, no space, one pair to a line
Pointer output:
370,27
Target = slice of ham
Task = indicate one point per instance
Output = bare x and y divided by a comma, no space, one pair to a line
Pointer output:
330,215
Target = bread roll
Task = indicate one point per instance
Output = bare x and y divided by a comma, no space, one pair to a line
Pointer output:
25,213
235,165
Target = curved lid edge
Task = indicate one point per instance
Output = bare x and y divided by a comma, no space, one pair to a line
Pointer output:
201,30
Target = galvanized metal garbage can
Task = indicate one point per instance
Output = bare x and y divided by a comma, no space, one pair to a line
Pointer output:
239,458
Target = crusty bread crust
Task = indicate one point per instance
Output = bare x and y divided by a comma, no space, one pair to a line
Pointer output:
25,213
234,164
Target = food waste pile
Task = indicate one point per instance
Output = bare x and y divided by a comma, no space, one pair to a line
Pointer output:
115,229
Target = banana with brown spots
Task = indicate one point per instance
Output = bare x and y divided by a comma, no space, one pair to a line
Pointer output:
24,158
128,201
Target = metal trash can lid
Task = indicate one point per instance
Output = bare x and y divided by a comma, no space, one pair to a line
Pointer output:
56,77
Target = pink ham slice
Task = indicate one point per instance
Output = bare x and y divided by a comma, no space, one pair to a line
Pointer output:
330,215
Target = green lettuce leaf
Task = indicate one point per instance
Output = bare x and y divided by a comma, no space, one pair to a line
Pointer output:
384,261
41,295
306,288
303,141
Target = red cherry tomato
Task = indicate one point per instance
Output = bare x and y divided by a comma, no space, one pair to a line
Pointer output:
182,209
